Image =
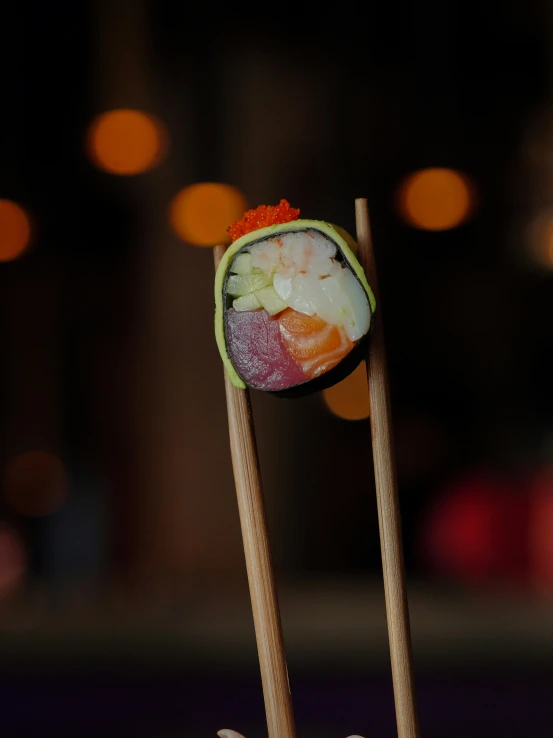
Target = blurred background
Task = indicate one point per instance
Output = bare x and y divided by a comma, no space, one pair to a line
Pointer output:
132,133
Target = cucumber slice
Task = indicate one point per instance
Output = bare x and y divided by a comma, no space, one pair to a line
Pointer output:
246,302
239,285
270,300
242,264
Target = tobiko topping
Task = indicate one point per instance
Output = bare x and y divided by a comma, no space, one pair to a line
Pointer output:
262,216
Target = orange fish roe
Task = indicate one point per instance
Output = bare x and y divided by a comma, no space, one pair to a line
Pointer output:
263,215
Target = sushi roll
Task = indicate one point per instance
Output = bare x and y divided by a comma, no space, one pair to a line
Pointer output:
293,309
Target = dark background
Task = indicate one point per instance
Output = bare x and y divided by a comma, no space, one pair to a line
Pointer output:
133,613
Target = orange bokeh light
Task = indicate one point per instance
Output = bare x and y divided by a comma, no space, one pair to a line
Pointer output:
35,483
540,239
549,247
436,199
201,213
126,142
545,244
15,230
349,399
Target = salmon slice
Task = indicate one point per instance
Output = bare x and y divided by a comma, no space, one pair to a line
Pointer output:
316,345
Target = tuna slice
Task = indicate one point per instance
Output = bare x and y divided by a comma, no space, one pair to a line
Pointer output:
258,352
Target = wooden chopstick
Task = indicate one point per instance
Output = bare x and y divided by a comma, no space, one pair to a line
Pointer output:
247,476
255,538
389,518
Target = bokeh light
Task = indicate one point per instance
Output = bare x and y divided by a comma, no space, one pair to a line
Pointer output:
35,483
13,560
349,399
15,230
540,533
436,199
539,238
475,532
126,142
201,213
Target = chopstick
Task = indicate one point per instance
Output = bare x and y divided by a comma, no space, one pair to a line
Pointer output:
389,517
255,539
247,476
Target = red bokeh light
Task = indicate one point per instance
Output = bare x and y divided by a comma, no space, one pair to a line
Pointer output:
540,530
13,560
476,531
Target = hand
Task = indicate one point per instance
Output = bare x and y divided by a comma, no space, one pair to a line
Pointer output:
226,733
